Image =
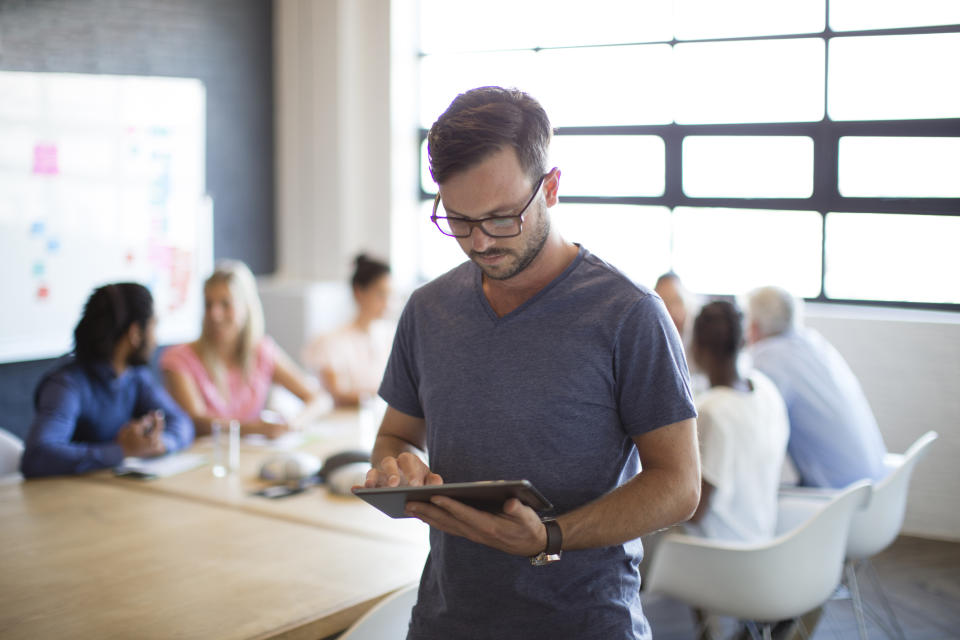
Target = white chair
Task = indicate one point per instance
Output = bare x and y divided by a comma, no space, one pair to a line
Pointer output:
762,583
875,527
386,620
11,450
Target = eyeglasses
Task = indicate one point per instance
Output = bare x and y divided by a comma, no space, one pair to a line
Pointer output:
494,226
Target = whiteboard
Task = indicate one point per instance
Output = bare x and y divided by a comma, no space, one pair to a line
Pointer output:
101,180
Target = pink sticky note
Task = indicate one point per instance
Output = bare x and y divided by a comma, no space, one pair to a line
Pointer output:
45,159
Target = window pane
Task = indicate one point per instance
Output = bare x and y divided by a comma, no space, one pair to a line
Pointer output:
634,239
899,167
731,18
748,166
442,78
609,165
847,15
750,81
891,77
438,253
908,258
593,87
577,23
447,26
730,251
459,26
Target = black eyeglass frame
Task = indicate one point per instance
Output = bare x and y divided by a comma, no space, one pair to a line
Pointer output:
478,222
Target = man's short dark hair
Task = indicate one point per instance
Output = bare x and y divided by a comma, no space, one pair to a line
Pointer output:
107,316
718,329
482,121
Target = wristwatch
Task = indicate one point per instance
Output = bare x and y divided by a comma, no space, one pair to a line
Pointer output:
554,543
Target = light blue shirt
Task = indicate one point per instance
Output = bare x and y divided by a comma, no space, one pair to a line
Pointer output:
834,438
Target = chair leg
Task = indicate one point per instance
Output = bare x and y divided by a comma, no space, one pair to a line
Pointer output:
855,599
702,628
891,616
807,623
767,631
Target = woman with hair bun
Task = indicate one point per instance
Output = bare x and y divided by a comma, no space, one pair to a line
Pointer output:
350,360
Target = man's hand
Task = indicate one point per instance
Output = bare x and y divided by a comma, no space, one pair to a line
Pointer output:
142,438
517,530
405,469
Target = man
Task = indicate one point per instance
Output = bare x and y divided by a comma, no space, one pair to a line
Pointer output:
743,434
681,305
537,360
834,438
674,296
103,404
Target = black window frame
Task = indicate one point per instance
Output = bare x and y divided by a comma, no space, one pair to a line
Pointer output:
825,133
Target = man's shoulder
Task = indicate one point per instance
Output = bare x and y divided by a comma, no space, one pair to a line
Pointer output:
596,275
66,371
66,375
453,282
776,347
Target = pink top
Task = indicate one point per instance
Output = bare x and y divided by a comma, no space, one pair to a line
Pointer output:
247,396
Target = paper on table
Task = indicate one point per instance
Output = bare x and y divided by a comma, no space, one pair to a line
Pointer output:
284,442
312,411
162,466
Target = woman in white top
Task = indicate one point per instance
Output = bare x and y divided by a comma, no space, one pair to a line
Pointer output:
743,428
350,360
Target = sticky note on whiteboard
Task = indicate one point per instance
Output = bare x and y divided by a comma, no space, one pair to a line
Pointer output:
45,159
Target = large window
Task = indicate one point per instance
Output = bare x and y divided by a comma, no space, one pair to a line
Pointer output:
813,144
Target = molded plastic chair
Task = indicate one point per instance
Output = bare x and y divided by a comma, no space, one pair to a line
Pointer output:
11,450
876,526
762,583
389,619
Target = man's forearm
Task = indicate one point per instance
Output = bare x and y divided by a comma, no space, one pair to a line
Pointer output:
651,500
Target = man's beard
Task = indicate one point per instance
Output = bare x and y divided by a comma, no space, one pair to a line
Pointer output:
524,256
140,357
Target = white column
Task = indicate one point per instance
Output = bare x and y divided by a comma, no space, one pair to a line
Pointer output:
334,138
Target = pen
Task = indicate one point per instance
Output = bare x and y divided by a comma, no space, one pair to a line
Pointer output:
158,417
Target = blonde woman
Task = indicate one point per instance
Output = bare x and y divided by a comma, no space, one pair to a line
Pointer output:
227,372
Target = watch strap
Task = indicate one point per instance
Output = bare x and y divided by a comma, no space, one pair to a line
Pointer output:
554,537
554,544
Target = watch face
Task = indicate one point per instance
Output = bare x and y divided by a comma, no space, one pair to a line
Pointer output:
543,558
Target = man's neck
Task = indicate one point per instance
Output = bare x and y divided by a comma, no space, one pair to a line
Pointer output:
506,295
119,361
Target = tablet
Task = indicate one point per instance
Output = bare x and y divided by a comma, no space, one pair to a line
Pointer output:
488,495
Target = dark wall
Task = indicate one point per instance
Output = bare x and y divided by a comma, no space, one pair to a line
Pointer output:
225,43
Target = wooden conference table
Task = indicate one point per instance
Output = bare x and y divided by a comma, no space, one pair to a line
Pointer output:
194,556
317,506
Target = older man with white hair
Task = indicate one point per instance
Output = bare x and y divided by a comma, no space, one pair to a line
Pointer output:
834,438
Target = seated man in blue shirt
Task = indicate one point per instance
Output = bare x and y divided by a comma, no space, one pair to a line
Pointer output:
834,438
103,404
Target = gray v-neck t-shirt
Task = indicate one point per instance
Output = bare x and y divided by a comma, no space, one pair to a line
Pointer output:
552,392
